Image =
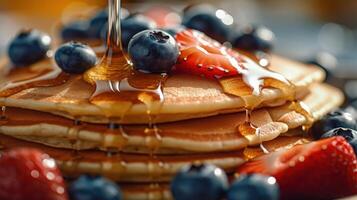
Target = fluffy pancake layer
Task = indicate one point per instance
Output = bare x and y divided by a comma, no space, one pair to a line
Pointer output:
211,134
126,167
185,96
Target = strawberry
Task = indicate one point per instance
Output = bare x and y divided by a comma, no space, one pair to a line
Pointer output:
30,174
324,169
203,56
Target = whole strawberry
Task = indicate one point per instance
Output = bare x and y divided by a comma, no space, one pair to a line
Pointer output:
30,174
325,169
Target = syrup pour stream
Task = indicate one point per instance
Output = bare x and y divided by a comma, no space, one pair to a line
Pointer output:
114,81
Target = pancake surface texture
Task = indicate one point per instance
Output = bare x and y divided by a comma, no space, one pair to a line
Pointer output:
219,133
185,96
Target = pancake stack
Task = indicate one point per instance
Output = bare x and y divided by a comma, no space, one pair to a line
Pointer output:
142,143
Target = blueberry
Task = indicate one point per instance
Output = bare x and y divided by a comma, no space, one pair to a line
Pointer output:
94,188
215,23
100,20
153,51
133,25
254,39
74,57
333,120
75,30
28,47
349,134
254,187
199,182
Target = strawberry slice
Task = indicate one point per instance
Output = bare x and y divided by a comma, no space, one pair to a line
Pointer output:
30,174
324,169
203,56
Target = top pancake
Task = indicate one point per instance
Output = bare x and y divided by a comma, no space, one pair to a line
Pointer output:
185,96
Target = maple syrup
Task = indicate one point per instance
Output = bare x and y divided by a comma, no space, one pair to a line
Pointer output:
115,137
45,78
116,81
3,113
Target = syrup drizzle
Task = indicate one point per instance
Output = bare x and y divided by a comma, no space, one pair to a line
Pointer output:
116,81
48,78
3,113
73,134
116,137
248,128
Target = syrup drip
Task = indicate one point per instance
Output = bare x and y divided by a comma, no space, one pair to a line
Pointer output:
116,137
114,142
157,195
153,139
54,78
73,134
248,128
252,73
3,113
155,168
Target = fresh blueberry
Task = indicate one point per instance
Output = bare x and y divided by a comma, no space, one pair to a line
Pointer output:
100,20
349,134
74,57
153,51
194,182
174,30
28,47
254,39
215,23
254,187
75,30
94,188
333,120
133,25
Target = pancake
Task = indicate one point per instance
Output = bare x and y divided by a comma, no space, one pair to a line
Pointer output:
184,96
211,134
126,167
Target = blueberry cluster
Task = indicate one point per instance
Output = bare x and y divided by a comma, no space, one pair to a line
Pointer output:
205,181
219,25
192,182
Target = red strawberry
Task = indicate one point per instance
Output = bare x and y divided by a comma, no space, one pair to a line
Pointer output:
203,56
30,174
324,169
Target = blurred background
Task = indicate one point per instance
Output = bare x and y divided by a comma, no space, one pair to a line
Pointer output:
317,31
